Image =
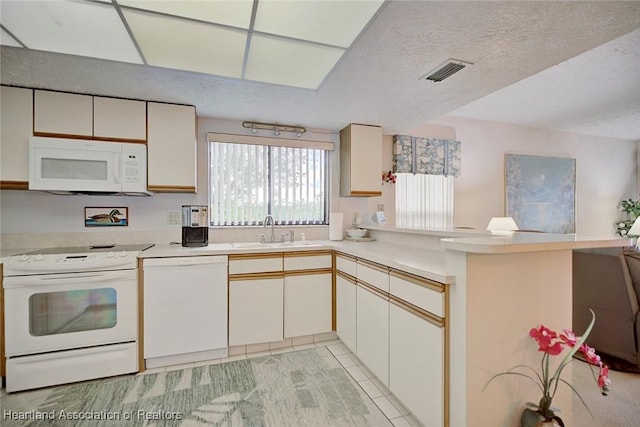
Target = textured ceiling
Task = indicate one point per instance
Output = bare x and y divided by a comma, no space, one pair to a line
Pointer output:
377,81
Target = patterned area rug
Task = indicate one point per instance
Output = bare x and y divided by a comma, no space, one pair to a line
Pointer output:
299,388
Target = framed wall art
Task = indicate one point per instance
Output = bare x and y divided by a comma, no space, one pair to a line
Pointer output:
106,217
540,192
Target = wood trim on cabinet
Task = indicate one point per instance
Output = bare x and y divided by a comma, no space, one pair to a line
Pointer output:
90,138
346,276
375,266
256,276
318,252
346,256
359,193
14,185
377,292
334,323
141,364
447,355
417,311
254,255
308,272
3,366
417,280
172,188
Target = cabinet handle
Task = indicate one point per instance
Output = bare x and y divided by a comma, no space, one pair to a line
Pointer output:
416,280
373,290
256,276
416,311
346,277
374,266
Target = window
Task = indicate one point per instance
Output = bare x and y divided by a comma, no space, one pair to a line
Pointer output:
424,201
249,182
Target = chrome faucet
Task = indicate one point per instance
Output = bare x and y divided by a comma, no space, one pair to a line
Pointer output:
268,220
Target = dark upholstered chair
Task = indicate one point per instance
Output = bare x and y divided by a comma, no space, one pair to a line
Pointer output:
608,282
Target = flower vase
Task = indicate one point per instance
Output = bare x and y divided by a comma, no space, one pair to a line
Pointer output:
531,418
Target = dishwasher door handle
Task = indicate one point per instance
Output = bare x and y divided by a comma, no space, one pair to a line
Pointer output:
191,261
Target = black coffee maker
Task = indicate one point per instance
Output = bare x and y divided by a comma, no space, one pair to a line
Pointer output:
195,225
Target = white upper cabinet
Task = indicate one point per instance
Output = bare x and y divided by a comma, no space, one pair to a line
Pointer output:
16,126
59,113
171,148
361,160
122,119
70,114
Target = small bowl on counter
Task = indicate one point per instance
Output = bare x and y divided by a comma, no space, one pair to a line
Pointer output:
356,233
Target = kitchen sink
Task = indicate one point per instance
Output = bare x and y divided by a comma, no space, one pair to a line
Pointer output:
266,245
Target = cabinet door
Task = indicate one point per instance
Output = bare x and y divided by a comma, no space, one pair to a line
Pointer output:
58,113
307,304
122,119
171,148
416,369
15,129
346,311
361,160
255,310
372,332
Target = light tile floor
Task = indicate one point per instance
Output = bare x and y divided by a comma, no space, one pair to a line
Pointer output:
378,392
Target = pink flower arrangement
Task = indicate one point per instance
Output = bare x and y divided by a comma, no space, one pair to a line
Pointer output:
388,177
550,343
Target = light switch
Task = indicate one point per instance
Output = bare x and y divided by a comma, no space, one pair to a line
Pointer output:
173,218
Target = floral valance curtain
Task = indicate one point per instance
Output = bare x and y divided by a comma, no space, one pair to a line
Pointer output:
430,156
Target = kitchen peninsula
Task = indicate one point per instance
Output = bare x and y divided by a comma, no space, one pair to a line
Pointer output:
475,297
496,288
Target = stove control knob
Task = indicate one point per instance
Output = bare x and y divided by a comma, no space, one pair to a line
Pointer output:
122,254
39,257
110,254
24,258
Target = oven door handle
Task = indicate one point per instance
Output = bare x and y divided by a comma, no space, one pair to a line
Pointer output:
64,279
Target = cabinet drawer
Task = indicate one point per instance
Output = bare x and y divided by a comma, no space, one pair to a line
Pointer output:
373,274
256,263
422,293
346,264
306,260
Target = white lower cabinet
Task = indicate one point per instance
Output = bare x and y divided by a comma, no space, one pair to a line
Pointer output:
372,331
307,304
346,310
255,310
416,364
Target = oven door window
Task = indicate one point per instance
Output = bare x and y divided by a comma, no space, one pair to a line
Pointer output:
52,313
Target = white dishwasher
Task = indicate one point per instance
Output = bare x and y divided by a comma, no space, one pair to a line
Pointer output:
185,309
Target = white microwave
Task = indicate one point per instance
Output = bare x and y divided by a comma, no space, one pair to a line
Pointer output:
86,166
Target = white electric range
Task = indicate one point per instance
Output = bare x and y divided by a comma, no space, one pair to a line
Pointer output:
71,314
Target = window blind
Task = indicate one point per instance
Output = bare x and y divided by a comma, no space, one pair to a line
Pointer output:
249,182
424,201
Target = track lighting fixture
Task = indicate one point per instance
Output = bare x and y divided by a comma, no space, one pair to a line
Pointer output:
276,128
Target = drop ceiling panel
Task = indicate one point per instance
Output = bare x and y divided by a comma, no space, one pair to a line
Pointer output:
336,23
188,45
77,28
235,13
287,62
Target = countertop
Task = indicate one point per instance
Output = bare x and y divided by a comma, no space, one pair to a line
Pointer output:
426,263
423,262
531,242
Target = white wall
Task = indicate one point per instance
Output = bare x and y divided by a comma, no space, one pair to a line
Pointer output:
606,174
37,219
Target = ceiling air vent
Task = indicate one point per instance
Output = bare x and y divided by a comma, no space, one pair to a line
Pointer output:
450,67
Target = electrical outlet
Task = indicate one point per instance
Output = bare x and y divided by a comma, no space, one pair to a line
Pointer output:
173,218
